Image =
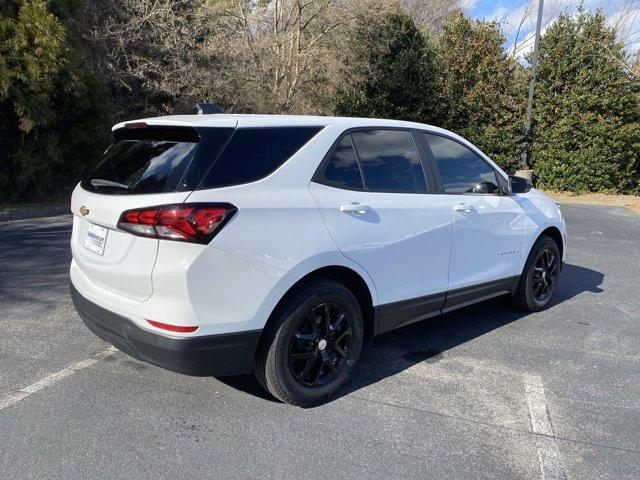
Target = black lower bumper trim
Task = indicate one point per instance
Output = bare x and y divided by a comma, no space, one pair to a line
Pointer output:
211,355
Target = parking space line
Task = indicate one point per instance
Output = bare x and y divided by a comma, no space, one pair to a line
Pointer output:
8,399
549,457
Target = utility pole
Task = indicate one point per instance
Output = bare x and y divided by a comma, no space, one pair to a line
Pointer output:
526,147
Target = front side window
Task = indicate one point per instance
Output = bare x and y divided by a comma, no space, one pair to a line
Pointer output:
461,170
389,161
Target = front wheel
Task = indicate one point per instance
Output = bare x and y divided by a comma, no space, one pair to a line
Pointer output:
311,345
539,279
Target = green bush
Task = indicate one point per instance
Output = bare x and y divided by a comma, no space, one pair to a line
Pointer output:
479,95
393,70
53,111
463,81
586,122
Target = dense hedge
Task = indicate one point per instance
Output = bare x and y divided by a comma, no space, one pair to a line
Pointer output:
586,130
53,111
586,115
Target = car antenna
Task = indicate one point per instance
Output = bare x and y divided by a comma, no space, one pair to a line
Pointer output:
208,108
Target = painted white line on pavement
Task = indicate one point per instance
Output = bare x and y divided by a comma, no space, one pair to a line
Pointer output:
8,399
549,457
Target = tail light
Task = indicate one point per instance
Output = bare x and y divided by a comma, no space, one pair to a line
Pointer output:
186,222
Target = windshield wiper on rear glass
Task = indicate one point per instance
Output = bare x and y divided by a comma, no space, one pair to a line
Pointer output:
99,182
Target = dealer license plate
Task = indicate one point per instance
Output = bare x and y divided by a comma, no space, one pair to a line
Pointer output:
96,238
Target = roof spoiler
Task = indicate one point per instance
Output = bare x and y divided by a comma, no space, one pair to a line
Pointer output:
208,109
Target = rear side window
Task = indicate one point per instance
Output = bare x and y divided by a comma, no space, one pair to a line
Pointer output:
389,161
461,170
343,170
254,153
147,160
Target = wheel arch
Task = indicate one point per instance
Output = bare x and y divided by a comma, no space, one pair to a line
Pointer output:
551,231
554,233
340,274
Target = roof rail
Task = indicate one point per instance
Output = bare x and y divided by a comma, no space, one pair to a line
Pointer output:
208,108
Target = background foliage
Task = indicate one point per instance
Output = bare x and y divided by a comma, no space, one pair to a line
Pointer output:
587,130
394,67
480,94
69,69
53,111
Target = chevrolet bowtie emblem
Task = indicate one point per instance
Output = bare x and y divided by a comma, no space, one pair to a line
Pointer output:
84,211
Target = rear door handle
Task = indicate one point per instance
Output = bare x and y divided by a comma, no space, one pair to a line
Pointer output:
355,208
462,207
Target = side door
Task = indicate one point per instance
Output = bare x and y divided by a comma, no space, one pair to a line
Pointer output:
372,191
488,226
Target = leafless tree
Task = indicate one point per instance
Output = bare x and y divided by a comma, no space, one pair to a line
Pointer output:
430,15
153,51
289,49
248,55
623,16
524,19
625,21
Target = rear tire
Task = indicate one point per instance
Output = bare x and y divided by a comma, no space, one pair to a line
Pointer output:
539,278
311,345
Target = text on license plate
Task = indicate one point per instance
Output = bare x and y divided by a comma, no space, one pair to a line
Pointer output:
95,238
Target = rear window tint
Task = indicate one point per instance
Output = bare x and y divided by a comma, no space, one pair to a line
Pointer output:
254,153
389,161
342,170
141,166
154,160
212,140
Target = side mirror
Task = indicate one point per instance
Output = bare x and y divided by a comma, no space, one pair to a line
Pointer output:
519,184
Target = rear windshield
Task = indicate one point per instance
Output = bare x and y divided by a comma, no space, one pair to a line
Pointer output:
170,159
144,160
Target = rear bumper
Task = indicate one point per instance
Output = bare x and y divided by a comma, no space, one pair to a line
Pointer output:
210,355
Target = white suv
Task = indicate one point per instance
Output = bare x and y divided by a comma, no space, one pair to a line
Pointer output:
225,244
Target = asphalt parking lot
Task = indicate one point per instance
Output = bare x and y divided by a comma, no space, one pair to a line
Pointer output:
484,392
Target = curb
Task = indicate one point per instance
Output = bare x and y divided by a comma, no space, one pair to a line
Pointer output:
34,213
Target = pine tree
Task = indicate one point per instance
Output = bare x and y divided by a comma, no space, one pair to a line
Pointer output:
586,118
392,64
480,95
52,110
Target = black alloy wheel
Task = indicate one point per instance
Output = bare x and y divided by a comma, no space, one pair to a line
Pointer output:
539,279
311,344
544,275
320,345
